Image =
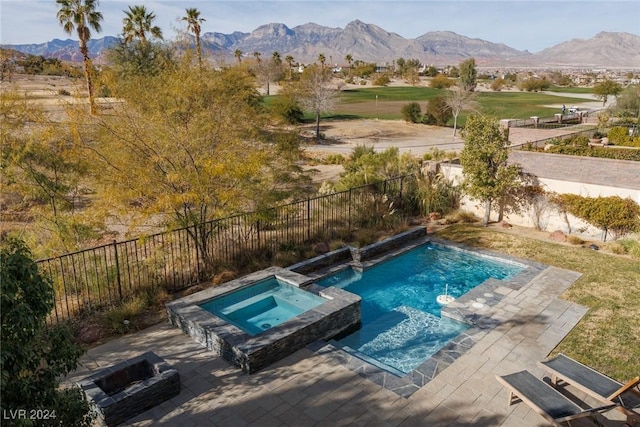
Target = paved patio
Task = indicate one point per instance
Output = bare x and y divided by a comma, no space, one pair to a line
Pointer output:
312,389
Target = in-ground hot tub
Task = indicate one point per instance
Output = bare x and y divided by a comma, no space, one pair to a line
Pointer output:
263,305
260,318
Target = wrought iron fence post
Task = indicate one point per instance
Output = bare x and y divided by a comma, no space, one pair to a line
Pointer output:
196,243
115,251
258,233
308,218
349,212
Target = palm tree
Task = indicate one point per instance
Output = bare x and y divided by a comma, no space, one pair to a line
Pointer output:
349,59
238,54
289,60
83,16
277,59
193,24
322,59
137,23
257,54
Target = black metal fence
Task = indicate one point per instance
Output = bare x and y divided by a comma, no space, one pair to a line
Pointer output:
104,276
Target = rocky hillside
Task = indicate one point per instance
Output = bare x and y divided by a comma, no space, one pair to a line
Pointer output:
605,49
370,43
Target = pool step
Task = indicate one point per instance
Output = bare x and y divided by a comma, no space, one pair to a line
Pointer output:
404,337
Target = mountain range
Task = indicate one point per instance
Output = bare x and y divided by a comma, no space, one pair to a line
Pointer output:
370,43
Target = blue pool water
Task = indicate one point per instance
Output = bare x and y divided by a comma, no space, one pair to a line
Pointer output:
401,322
263,305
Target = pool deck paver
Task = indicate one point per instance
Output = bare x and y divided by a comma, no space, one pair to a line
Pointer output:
308,388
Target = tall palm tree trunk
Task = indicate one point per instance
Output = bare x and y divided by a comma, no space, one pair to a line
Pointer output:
199,51
87,74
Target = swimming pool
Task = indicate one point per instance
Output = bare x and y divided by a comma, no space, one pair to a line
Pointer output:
402,324
263,305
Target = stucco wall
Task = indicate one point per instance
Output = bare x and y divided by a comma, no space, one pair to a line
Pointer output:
549,218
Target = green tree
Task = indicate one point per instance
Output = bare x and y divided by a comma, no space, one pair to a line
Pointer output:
289,60
322,59
486,175
458,99
238,54
438,112
349,58
315,93
468,74
132,60
82,16
441,82
137,23
193,20
34,357
432,71
605,89
286,106
44,168
189,147
411,112
628,101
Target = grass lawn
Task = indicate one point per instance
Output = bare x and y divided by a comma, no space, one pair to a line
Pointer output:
565,89
387,102
608,337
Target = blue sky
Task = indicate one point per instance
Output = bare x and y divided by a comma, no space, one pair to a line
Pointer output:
530,25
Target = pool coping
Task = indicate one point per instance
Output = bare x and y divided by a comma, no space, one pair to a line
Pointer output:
488,294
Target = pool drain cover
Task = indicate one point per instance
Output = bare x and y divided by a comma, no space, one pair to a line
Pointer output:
266,325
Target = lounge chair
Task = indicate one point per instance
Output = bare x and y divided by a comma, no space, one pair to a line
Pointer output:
544,399
596,385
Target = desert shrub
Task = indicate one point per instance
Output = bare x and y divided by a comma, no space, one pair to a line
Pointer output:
575,240
411,112
617,248
436,193
576,141
619,135
288,109
438,112
334,159
361,150
600,152
122,319
631,247
381,80
460,216
64,92
435,154
441,82
497,84
534,84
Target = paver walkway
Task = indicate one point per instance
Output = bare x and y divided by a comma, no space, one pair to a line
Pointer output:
309,389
